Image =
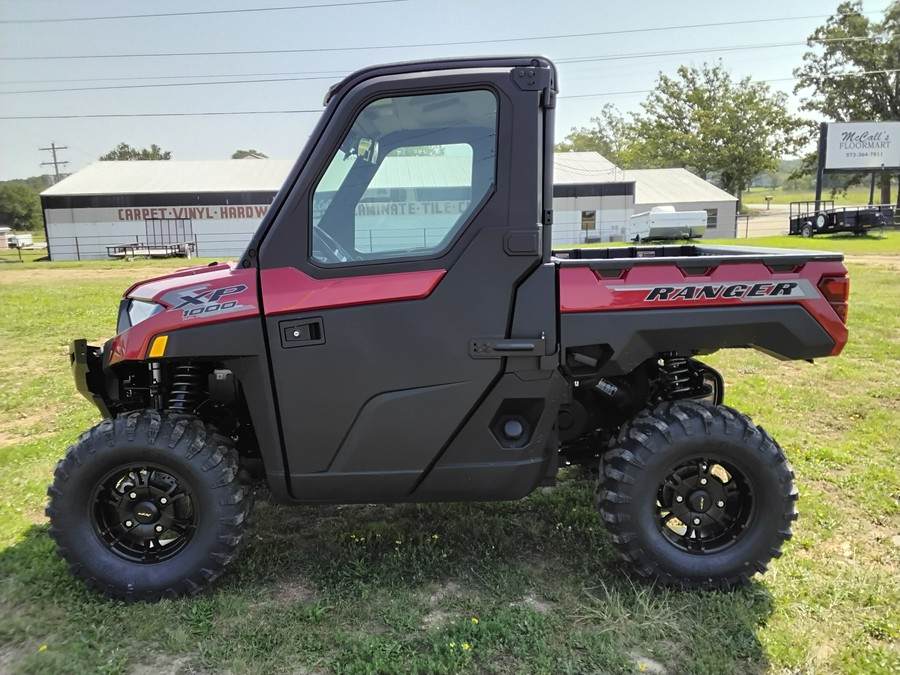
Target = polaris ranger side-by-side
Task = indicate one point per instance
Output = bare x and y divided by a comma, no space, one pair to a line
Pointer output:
389,336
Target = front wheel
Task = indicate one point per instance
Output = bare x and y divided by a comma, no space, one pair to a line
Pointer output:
697,496
147,506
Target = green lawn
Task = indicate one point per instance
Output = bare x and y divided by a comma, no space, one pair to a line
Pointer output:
853,196
874,242
532,586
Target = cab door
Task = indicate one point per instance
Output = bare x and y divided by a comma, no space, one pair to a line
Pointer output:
411,223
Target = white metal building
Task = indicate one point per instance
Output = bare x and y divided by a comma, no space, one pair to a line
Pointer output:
686,192
215,206
592,199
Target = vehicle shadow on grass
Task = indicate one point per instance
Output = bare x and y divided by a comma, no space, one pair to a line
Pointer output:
509,587
540,575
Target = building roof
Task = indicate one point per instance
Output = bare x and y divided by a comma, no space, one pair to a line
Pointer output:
673,186
654,186
263,175
418,171
576,168
164,177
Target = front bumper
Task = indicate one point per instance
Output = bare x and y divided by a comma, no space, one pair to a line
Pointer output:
87,370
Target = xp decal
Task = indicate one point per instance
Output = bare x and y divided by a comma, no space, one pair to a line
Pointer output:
204,300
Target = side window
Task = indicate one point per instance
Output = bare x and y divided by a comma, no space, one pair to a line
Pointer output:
406,179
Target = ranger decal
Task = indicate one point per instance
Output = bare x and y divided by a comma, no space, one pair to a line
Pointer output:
745,291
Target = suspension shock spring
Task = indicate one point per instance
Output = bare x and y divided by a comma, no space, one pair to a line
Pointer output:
675,377
186,388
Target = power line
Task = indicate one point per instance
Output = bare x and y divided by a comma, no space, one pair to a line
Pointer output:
407,46
333,73
171,84
590,59
176,114
216,11
319,110
769,81
682,52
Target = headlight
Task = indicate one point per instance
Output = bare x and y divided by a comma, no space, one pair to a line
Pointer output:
132,312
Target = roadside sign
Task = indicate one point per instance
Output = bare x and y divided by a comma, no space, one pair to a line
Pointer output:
862,146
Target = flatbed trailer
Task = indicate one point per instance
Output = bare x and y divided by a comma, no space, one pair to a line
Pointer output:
139,249
823,217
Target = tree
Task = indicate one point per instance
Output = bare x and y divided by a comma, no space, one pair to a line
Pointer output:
852,71
251,154
607,136
20,207
36,183
125,153
702,120
714,126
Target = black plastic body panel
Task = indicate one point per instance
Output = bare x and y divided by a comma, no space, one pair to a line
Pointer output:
388,389
239,345
221,340
633,336
391,392
686,255
87,371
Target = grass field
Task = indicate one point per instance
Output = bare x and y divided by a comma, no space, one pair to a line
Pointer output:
525,587
853,197
885,243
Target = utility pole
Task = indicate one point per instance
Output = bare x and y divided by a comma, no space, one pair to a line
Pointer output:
56,163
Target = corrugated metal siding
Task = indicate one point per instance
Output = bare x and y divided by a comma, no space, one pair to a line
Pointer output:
673,186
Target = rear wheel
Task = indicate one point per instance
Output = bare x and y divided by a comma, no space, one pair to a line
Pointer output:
696,496
147,506
806,231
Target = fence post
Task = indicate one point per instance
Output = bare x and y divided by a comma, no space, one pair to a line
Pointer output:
77,250
746,227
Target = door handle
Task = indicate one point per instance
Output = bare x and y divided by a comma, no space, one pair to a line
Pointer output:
301,332
492,348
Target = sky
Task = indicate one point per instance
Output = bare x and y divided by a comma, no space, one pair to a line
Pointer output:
156,79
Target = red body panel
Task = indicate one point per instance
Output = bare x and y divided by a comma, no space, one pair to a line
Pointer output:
193,297
220,293
149,287
643,287
289,290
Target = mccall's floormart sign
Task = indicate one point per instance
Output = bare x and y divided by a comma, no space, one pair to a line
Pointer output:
862,146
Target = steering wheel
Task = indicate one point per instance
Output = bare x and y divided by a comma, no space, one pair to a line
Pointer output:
326,249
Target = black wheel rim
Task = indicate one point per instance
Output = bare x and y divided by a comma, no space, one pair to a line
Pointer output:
704,506
144,514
